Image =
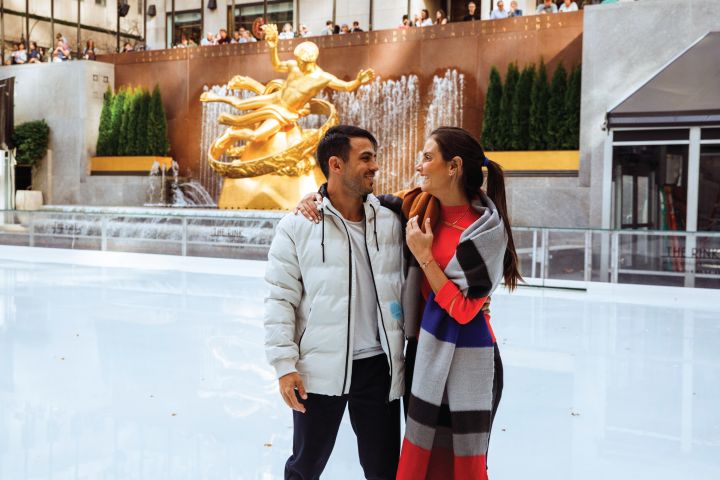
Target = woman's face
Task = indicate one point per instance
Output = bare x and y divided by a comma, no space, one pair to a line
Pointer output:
433,170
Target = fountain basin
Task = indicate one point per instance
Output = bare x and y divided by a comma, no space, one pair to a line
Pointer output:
127,165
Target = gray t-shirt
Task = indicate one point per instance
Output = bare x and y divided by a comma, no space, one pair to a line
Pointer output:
367,339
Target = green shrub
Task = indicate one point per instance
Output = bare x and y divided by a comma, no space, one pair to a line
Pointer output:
158,143
521,110
31,140
539,110
104,142
504,134
557,121
571,138
491,119
118,106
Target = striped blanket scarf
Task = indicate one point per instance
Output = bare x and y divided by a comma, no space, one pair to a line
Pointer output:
457,374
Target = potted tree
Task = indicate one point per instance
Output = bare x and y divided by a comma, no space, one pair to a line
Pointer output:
31,140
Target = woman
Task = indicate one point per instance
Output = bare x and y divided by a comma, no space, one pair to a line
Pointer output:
424,20
89,53
440,17
61,52
34,55
287,32
462,246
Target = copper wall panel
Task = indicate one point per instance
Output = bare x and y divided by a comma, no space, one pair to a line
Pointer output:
471,47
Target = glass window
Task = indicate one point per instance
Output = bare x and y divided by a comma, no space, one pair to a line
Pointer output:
709,189
188,23
278,12
650,183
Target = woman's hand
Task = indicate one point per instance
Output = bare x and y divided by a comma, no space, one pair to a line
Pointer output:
309,206
419,243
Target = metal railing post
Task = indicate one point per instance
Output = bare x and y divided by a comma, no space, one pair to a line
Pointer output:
31,229
614,256
103,233
534,254
184,236
545,265
588,256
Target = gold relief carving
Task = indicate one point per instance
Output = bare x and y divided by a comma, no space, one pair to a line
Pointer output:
275,165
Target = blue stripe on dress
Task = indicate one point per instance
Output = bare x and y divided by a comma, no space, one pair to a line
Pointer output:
438,323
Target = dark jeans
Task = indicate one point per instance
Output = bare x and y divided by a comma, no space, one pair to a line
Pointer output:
376,423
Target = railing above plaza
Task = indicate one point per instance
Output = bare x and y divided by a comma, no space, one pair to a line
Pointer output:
551,257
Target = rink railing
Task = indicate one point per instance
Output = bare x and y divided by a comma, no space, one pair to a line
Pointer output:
554,257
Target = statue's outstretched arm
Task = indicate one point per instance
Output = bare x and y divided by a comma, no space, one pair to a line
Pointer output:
271,38
363,77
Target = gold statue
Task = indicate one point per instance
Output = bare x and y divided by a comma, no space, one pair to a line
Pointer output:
276,148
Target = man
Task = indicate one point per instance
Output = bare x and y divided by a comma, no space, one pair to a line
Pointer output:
329,28
356,27
208,40
548,6
499,12
472,14
333,321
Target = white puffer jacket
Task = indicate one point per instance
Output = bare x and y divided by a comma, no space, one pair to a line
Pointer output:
308,323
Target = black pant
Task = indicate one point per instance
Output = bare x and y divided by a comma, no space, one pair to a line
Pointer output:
376,423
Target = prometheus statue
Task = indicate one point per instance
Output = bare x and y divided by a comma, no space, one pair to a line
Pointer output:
275,164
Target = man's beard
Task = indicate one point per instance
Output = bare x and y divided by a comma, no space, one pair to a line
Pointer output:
356,185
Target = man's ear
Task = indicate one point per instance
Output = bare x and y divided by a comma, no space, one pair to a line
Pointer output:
335,164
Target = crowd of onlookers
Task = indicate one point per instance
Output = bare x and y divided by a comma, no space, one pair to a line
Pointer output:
61,52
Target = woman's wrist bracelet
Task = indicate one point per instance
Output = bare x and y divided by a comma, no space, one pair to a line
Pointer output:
424,265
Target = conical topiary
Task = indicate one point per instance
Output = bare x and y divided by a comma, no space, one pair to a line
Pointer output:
491,119
521,110
141,137
125,143
571,138
104,141
158,143
118,106
504,134
556,109
538,110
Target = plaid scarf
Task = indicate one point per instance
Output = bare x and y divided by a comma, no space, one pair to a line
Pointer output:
453,398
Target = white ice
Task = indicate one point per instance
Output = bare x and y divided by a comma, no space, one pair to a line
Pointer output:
121,366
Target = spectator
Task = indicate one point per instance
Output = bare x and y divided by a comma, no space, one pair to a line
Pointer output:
405,22
61,53
499,12
336,30
247,37
60,36
34,55
208,40
236,37
568,6
329,28
89,53
222,37
440,17
127,48
356,27
305,31
472,14
546,7
514,10
19,54
424,20
344,29
287,32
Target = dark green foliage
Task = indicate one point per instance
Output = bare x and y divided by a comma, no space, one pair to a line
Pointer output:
556,109
158,143
104,145
491,119
118,106
141,136
571,138
504,135
133,123
521,110
31,140
539,110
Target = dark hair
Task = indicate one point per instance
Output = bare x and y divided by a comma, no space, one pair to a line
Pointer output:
456,142
426,12
336,143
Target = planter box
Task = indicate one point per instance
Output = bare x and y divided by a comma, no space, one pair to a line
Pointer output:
28,200
126,165
538,163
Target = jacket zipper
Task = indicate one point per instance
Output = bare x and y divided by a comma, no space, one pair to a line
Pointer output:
377,301
347,348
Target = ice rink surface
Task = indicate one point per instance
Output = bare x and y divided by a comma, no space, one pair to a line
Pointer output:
127,369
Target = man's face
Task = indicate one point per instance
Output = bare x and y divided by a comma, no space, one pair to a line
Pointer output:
471,8
358,171
548,3
500,4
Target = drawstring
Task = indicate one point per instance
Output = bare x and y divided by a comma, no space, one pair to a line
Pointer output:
377,246
322,240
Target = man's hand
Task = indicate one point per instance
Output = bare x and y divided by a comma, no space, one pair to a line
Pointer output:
288,384
365,76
